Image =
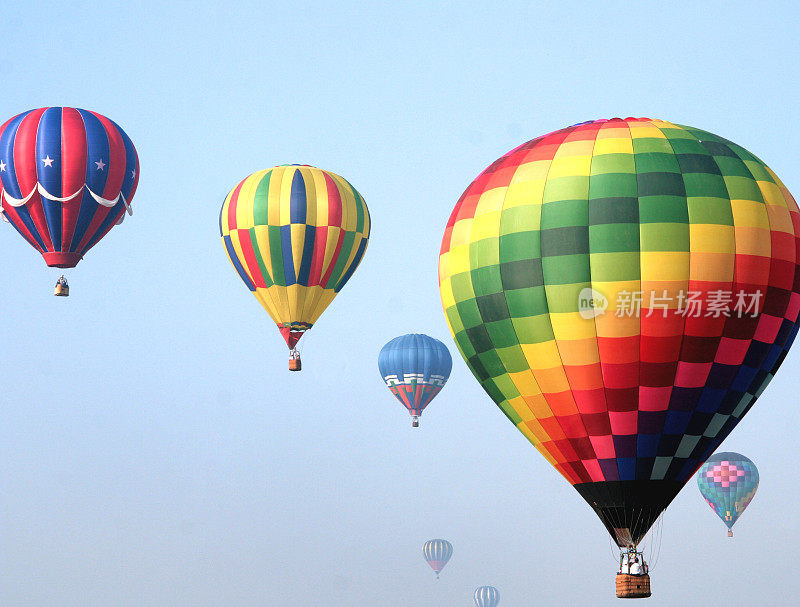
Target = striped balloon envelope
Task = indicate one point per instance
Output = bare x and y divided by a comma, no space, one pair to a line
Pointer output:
728,482
295,235
487,596
68,176
437,553
624,290
415,368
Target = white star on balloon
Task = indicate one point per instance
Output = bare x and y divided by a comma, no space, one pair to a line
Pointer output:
100,164
48,162
2,166
133,173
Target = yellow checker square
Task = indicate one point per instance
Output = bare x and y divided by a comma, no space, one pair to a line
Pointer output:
571,326
542,355
641,130
490,201
664,265
525,382
772,193
749,213
711,238
578,147
613,146
524,193
458,261
521,408
461,232
579,352
537,403
607,131
535,170
570,166
485,226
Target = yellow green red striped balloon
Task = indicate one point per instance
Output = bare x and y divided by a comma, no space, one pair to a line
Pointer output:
295,235
624,290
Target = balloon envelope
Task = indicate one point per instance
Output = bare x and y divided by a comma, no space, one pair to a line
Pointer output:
68,176
295,234
487,596
437,553
624,290
415,368
728,482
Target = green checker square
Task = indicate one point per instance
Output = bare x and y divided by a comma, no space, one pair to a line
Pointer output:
663,209
564,298
710,210
533,329
479,338
613,210
698,163
525,218
571,240
521,274
566,269
743,188
646,145
475,365
656,162
613,185
486,280
509,412
732,167
492,307
758,171
610,267
492,390
461,284
744,154
559,189
502,333
526,302
704,185
522,245
493,365
564,214
661,184
506,386
687,146
469,313
612,163
484,252
677,132
513,358
464,345
454,319
718,149
664,237
614,238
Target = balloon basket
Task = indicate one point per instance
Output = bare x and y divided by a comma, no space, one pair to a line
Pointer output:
633,586
61,291
730,533
294,361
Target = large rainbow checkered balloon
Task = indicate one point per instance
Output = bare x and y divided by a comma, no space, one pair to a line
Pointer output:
728,482
624,290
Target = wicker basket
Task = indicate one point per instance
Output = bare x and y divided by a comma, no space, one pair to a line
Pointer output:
633,586
61,291
295,364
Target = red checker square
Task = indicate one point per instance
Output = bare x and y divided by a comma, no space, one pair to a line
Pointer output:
781,274
656,375
704,326
566,449
623,422
793,309
552,427
583,447
551,448
617,350
654,399
620,375
692,375
572,425
661,349
750,270
590,401
696,349
561,403
603,446
596,424
658,325
580,471
625,399
783,246
593,468
732,351
501,177
767,329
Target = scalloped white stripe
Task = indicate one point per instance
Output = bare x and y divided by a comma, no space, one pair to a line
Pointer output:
106,202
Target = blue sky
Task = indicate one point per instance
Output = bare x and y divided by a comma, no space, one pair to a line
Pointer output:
154,451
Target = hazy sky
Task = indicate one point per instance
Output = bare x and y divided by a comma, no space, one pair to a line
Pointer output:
155,451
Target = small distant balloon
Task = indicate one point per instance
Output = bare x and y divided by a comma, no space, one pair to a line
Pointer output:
486,596
728,482
437,553
415,368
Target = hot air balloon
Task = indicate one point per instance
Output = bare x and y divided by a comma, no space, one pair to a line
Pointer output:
624,290
68,176
728,482
415,368
437,553
486,596
295,235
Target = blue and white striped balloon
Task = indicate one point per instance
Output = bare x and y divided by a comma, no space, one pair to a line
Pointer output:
437,553
486,596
